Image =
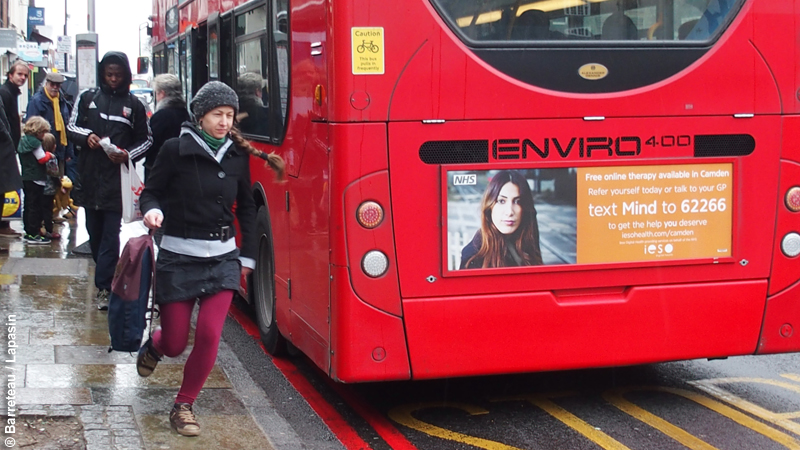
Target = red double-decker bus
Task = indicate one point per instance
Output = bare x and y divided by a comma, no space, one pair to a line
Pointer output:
500,186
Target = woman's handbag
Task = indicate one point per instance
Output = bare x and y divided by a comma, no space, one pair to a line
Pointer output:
132,188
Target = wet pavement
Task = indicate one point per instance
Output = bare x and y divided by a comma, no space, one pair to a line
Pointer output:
56,363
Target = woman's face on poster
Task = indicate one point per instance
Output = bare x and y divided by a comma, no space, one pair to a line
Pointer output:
507,212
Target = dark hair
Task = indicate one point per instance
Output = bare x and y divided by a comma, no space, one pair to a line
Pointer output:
525,238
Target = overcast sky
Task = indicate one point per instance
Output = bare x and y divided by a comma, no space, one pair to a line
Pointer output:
117,22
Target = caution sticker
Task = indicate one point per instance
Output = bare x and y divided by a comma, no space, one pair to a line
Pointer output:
368,45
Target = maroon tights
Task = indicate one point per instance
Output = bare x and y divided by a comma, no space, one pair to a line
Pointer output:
172,337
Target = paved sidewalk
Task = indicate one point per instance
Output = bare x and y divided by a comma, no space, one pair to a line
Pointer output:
56,364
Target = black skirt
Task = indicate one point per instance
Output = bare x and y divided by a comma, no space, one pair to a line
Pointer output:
181,277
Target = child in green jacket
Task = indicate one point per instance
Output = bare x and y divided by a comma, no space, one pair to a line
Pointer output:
33,157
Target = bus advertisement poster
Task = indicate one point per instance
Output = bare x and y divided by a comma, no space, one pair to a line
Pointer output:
588,215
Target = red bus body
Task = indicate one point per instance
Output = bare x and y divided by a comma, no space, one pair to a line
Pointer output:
352,138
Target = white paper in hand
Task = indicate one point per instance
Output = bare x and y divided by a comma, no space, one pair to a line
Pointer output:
109,147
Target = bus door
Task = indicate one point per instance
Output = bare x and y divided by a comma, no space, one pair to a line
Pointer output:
226,49
212,38
185,64
171,56
200,57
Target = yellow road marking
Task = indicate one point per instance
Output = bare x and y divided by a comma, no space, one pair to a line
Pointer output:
711,387
791,376
569,419
615,397
720,408
404,415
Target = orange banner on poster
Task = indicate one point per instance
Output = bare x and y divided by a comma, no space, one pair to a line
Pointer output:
649,213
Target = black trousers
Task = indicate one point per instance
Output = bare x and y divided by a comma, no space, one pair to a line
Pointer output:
103,228
33,207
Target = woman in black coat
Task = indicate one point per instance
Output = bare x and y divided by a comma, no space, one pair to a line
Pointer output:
191,191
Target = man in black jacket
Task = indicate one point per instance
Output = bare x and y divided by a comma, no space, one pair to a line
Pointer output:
17,76
109,111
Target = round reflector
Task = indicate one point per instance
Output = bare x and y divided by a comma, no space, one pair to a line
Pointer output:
375,263
793,199
369,214
790,245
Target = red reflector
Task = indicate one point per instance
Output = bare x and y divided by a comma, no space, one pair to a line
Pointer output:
369,214
793,199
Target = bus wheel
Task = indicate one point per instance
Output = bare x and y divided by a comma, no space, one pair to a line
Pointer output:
264,288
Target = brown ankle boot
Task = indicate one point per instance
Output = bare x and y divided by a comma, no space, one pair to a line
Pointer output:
182,420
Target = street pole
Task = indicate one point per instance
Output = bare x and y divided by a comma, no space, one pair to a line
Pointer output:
66,55
90,17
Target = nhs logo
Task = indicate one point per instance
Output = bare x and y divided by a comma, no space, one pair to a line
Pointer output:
465,180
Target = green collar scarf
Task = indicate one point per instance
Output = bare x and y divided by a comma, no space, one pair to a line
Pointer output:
212,142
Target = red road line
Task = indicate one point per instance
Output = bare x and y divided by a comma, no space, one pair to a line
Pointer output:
337,424
376,420
384,428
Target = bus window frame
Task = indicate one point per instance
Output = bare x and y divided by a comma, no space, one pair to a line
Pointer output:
274,70
735,12
264,37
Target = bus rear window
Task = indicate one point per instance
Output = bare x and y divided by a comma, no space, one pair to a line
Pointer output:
588,20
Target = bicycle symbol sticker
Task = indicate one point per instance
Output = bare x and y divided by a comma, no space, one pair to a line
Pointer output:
368,50
367,46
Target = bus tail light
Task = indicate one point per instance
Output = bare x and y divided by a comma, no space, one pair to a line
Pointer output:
790,245
369,214
369,240
375,263
793,199
786,247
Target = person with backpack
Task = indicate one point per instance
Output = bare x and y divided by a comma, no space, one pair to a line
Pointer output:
109,111
198,260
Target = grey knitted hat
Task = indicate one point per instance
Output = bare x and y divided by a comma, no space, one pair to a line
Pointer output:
213,95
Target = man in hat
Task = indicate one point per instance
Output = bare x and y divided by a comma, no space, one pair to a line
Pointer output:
17,76
48,103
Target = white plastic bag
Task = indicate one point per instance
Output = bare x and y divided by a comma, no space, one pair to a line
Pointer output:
132,187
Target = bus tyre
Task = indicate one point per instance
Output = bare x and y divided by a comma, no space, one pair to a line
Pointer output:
263,291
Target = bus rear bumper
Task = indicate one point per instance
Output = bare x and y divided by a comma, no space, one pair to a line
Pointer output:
480,335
